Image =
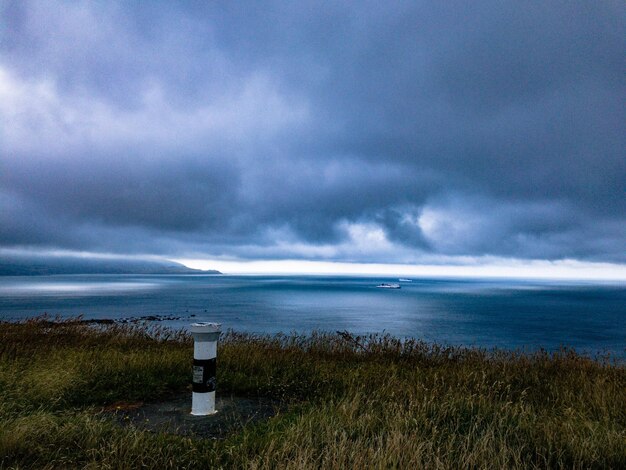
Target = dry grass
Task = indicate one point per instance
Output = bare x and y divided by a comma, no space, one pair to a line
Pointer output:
374,402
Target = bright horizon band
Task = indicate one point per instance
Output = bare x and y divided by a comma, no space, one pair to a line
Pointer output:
534,269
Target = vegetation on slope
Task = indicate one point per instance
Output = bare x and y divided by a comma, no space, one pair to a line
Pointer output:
42,265
350,402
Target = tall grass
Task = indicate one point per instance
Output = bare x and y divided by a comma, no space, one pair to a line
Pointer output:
351,402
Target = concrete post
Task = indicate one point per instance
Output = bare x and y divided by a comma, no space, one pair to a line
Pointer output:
205,336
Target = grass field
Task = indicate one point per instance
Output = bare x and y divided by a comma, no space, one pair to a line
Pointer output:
349,402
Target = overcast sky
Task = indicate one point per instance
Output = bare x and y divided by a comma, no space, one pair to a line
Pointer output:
371,132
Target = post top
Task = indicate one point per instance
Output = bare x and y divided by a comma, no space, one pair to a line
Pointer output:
205,327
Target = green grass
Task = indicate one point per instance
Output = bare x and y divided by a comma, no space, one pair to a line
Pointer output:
373,402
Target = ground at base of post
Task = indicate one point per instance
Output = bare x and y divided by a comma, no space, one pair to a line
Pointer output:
173,416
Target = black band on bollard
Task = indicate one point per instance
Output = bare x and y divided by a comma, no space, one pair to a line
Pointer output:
204,377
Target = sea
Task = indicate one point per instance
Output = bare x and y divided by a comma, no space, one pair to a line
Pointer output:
524,315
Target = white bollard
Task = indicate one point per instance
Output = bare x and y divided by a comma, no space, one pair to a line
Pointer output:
205,336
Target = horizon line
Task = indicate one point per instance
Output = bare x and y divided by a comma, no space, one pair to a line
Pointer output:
533,269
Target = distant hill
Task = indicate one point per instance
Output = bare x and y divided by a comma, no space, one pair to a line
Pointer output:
34,265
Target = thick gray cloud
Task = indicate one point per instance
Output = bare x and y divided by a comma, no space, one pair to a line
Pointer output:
375,132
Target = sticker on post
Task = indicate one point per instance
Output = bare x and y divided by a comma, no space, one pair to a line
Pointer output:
198,373
211,384
204,379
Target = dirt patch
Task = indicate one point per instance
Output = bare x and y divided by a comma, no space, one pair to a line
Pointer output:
173,416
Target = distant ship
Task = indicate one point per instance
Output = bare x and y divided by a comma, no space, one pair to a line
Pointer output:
405,280
384,285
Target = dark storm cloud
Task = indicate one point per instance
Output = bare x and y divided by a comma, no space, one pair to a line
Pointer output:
315,130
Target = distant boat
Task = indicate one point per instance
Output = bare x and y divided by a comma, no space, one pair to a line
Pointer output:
405,280
384,285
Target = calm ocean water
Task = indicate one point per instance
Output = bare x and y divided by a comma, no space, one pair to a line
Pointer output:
590,317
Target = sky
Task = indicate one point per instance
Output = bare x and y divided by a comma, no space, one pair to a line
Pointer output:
261,136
